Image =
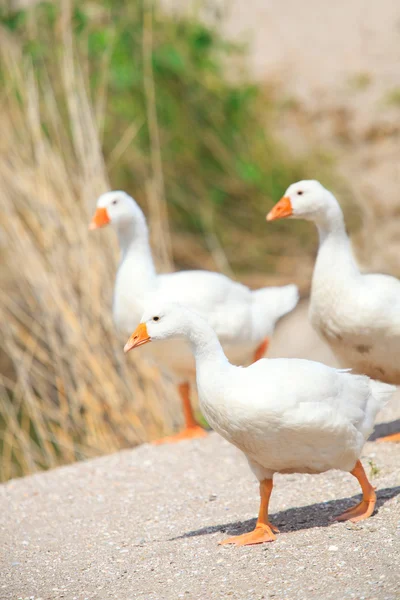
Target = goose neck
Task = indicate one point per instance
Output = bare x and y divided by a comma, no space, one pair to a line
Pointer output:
205,344
135,248
330,224
133,236
335,251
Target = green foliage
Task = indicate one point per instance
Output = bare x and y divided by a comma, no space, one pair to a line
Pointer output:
360,81
393,97
222,168
374,470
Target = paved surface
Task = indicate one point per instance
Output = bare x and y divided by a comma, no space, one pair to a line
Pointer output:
145,524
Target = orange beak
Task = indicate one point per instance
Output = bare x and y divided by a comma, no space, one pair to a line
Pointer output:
282,209
100,219
138,338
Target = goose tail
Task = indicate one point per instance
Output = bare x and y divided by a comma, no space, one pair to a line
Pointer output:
272,303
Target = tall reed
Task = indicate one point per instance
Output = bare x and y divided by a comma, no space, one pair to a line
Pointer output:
67,390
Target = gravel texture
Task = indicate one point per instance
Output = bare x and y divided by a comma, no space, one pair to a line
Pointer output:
145,524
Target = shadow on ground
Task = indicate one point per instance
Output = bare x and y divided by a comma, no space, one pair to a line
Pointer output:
382,429
295,519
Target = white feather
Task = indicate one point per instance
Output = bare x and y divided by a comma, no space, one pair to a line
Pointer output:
286,415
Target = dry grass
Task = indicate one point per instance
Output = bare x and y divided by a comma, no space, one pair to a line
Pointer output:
69,392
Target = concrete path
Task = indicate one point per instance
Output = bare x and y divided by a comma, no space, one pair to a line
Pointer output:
145,524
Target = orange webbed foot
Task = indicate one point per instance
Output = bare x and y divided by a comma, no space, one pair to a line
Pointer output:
395,438
260,535
261,350
361,511
189,433
365,508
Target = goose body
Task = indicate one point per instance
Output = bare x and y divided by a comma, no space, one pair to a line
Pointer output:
367,339
243,319
290,415
286,415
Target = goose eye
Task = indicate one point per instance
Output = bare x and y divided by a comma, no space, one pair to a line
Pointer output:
156,318
299,193
114,202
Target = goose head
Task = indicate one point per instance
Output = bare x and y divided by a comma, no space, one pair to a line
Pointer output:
306,199
160,322
116,208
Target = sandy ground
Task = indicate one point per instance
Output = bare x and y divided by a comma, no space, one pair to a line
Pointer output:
145,524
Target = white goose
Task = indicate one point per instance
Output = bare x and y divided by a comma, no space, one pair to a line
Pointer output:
286,415
243,319
357,314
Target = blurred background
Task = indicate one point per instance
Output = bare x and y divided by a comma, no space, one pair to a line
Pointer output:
205,112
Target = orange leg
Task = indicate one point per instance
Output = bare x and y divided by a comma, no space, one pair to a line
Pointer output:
365,508
395,437
263,530
261,350
192,429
